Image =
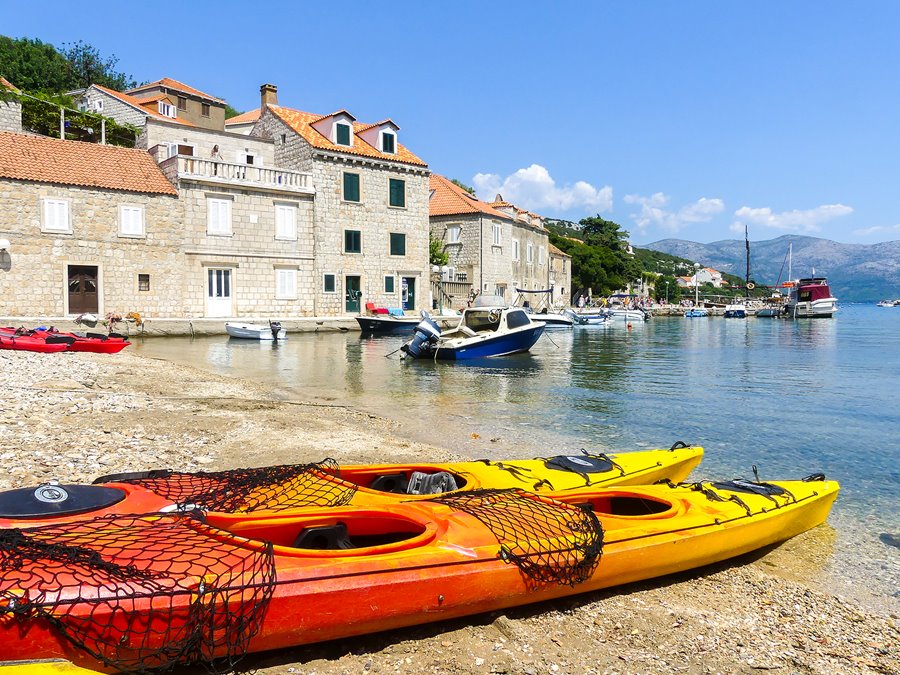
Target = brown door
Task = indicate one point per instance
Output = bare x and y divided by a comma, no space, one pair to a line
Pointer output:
82,289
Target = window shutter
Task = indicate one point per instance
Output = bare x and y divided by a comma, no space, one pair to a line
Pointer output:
351,187
285,221
398,192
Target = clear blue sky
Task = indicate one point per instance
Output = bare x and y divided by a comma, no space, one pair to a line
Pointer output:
675,119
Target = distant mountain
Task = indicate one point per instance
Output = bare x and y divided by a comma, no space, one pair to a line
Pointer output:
856,272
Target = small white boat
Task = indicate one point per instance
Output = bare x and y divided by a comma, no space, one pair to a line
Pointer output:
736,311
551,319
889,303
255,331
617,313
696,312
588,318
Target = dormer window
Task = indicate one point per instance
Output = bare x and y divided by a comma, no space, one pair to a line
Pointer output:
166,109
388,143
342,133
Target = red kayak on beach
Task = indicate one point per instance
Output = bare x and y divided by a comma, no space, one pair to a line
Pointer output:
73,342
31,343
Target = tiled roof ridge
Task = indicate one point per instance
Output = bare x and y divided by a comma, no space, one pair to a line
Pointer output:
135,102
468,202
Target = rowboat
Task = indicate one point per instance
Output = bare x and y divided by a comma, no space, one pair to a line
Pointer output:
326,484
156,590
255,331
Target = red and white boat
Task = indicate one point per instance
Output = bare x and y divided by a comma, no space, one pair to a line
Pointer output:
811,298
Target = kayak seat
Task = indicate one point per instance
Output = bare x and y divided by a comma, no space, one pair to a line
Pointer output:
324,538
391,482
580,464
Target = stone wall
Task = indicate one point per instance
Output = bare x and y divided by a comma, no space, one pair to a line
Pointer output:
561,279
232,147
10,116
33,273
113,107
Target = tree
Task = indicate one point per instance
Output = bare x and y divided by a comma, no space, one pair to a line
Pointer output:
32,65
89,67
436,253
460,184
231,112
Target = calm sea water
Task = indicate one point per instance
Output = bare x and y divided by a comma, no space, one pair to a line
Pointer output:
792,397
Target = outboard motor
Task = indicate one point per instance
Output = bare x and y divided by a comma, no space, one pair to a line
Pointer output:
427,334
275,327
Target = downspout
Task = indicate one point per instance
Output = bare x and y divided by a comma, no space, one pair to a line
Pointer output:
481,255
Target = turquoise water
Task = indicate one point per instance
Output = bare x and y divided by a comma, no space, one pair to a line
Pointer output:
792,397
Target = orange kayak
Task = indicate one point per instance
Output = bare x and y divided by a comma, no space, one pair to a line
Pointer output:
132,592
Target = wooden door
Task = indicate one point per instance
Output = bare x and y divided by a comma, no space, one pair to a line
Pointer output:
83,296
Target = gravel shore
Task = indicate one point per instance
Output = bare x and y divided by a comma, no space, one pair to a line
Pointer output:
73,417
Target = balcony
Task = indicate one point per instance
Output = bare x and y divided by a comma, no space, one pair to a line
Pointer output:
246,176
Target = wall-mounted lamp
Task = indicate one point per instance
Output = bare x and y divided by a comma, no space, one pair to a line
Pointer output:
4,244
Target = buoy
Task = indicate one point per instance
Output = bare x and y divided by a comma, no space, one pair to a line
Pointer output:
629,326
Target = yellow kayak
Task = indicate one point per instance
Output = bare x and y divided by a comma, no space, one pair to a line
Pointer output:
326,483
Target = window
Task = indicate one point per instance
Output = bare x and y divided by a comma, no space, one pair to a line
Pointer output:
328,284
453,233
352,241
542,254
515,249
166,109
285,284
285,221
98,105
342,134
388,142
218,216
496,229
398,192
55,215
143,282
389,284
182,103
204,109
131,221
351,187
529,252
398,244
517,318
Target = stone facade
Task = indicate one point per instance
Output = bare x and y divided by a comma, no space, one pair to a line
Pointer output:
372,217
158,136
10,115
560,277
189,106
97,100
34,271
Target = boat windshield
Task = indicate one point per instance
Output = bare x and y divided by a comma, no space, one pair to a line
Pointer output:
483,319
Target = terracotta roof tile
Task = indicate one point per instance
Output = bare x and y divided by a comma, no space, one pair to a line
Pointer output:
50,160
556,251
140,104
169,83
7,85
302,122
448,199
243,118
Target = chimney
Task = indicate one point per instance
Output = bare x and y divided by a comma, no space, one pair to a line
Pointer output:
268,95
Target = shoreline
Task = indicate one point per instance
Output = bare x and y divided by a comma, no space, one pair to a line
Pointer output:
77,417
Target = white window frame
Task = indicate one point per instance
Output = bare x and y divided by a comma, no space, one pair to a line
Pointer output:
529,253
454,234
131,221
388,133
167,109
498,234
97,105
285,222
54,210
515,250
542,255
242,155
213,204
350,136
285,283
384,284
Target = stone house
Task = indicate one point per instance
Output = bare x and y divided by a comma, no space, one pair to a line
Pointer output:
560,277
91,228
10,110
494,248
705,275
125,108
370,221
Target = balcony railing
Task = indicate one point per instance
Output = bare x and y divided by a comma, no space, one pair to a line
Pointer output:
245,175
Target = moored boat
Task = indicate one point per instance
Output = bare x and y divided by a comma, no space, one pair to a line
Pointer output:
255,331
387,323
737,310
696,312
33,343
150,591
811,298
482,332
98,343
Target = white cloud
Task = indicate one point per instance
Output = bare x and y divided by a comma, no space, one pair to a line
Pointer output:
655,211
809,220
878,228
534,189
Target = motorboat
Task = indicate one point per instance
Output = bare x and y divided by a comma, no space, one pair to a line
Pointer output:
584,318
552,319
696,312
811,298
736,311
255,331
889,303
481,332
770,311
618,313
381,324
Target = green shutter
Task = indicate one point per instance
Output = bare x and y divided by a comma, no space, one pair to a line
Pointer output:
343,134
351,187
387,143
352,241
398,244
398,192
389,284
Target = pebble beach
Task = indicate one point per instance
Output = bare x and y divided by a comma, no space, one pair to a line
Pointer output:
72,417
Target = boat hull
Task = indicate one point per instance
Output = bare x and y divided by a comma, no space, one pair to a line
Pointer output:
31,344
251,331
480,347
383,326
817,309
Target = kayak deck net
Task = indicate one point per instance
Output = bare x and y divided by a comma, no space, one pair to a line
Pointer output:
271,488
137,593
549,541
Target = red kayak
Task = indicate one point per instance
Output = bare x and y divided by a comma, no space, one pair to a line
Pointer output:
32,343
74,342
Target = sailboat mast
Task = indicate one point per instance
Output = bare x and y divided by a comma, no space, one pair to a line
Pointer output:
747,245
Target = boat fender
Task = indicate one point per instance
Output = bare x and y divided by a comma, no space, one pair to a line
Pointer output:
324,538
391,482
583,464
421,483
53,499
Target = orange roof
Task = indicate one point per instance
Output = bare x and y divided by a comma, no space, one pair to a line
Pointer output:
556,251
169,83
243,118
448,199
301,122
7,85
50,160
140,104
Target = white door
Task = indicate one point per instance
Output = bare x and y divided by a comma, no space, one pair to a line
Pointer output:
218,292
